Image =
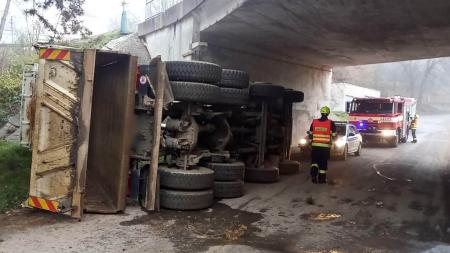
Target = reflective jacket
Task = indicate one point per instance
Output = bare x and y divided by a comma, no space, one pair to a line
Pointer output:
321,133
414,123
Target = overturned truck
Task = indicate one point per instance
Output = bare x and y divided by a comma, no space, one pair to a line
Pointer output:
172,134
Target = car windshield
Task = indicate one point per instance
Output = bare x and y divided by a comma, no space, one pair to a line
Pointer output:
340,129
372,107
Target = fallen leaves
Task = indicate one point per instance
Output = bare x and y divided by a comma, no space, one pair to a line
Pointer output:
235,233
321,216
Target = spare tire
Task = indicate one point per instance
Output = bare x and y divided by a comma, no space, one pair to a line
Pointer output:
288,167
262,175
228,189
293,96
232,96
227,171
266,90
234,79
195,179
186,200
195,92
193,71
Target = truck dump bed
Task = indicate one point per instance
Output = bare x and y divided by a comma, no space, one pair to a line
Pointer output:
83,108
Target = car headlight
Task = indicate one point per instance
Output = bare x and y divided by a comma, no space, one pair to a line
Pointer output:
340,142
303,142
388,133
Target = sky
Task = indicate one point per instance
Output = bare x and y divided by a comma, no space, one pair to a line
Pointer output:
100,15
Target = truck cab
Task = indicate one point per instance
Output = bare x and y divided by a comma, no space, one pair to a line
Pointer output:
383,120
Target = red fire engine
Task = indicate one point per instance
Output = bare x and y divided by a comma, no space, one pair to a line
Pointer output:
383,120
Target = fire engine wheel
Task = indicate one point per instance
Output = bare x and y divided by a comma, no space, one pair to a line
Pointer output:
288,167
194,71
228,189
293,96
232,96
234,79
266,90
195,92
394,142
227,171
179,179
186,200
262,175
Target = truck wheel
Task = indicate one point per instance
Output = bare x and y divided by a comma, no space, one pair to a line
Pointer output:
288,167
405,139
227,171
266,90
232,96
358,152
186,200
234,79
228,189
262,175
293,96
195,92
178,179
193,71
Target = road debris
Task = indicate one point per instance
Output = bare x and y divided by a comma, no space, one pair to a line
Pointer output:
235,233
375,167
321,216
310,201
379,204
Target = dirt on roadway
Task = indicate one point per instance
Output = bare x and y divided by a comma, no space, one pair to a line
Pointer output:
387,200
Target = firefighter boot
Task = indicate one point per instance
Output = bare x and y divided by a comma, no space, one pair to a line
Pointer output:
314,173
322,177
414,140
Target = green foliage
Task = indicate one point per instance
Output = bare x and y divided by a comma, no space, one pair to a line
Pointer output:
15,163
13,156
10,88
97,41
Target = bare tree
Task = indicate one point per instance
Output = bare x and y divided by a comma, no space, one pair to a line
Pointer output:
69,13
3,21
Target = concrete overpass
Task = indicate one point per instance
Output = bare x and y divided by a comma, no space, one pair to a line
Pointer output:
297,43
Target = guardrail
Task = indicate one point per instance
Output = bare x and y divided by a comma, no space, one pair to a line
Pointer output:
156,7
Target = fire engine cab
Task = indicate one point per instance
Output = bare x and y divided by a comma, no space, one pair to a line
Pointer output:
383,120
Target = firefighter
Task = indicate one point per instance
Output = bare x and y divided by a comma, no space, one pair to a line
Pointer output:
321,133
414,124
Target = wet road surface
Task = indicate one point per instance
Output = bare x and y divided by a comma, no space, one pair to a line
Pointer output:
387,200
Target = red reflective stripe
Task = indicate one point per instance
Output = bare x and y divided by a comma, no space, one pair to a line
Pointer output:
36,202
47,53
50,205
62,54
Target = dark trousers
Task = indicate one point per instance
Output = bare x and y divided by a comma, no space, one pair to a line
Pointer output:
319,163
414,134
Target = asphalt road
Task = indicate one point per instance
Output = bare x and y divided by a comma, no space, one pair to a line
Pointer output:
387,200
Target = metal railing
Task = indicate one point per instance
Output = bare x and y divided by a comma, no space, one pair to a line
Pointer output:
156,7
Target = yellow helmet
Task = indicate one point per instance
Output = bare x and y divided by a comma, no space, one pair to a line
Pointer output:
416,116
325,110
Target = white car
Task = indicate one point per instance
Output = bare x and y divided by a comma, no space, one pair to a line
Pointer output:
349,141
